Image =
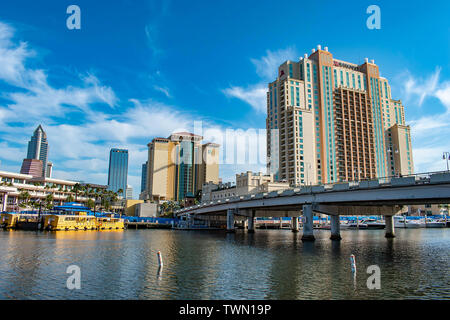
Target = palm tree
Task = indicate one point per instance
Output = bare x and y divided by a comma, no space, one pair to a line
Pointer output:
49,201
24,198
69,198
76,188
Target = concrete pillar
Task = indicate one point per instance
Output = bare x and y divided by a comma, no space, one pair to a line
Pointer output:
4,201
251,222
335,228
294,224
308,234
390,233
230,220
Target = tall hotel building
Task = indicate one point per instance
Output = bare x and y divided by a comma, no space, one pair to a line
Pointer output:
179,165
330,121
118,170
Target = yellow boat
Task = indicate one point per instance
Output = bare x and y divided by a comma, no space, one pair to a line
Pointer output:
56,222
110,223
8,220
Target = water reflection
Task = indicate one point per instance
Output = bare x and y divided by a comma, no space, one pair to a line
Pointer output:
269,264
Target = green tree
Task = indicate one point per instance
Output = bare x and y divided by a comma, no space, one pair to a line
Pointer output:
76,188
49,201
69,198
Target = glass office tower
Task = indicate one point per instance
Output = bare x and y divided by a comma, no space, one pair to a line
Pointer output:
118,170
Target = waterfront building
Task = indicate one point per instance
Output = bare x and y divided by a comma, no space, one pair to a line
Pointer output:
246,183
330,121
118,170
13,184
37,150
144,176
179,165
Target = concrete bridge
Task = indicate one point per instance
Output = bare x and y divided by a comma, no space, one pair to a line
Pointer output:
387,197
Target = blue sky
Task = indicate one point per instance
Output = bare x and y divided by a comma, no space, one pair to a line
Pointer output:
140,69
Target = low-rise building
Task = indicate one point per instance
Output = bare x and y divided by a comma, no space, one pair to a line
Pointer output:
246,183
13,184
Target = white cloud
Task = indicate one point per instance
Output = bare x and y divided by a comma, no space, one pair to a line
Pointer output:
164,90
255,95
267,66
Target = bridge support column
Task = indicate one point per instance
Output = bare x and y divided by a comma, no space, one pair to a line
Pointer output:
251,222
335,228
230,220
294,224
308,234
390,231
4,201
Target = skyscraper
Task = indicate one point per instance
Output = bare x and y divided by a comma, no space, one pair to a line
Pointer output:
329,120
179,165
38,150
118,170
144,176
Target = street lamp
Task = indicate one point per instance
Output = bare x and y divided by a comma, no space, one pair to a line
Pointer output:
446,156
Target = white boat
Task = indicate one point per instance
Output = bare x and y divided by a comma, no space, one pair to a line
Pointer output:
374,224
402,222
431,223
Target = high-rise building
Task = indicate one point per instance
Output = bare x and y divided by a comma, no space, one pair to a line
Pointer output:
118,170
144,176
38,150
179,165
31,167
49,171
129,193
329,121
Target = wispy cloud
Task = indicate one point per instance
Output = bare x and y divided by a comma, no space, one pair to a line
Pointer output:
266,68
255,95
164,90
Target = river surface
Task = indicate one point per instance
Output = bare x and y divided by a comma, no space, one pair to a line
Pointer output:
270,264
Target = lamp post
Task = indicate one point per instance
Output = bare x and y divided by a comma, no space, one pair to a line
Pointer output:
446,156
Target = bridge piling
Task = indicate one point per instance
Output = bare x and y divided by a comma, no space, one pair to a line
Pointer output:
230,220
308,234
335,228
390,229
251,222
294,224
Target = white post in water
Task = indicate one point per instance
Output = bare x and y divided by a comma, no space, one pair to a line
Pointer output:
389,227
5,201
230,220
251,222
335,228
353,263
160,259
294,224
308,234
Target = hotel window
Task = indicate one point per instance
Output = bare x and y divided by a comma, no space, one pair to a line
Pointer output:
342,78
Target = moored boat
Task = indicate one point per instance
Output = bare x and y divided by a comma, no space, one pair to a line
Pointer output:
110,223
402,222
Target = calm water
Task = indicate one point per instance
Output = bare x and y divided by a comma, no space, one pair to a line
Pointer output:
270,264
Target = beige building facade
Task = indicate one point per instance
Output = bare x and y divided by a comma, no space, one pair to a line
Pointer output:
178,166
246,183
